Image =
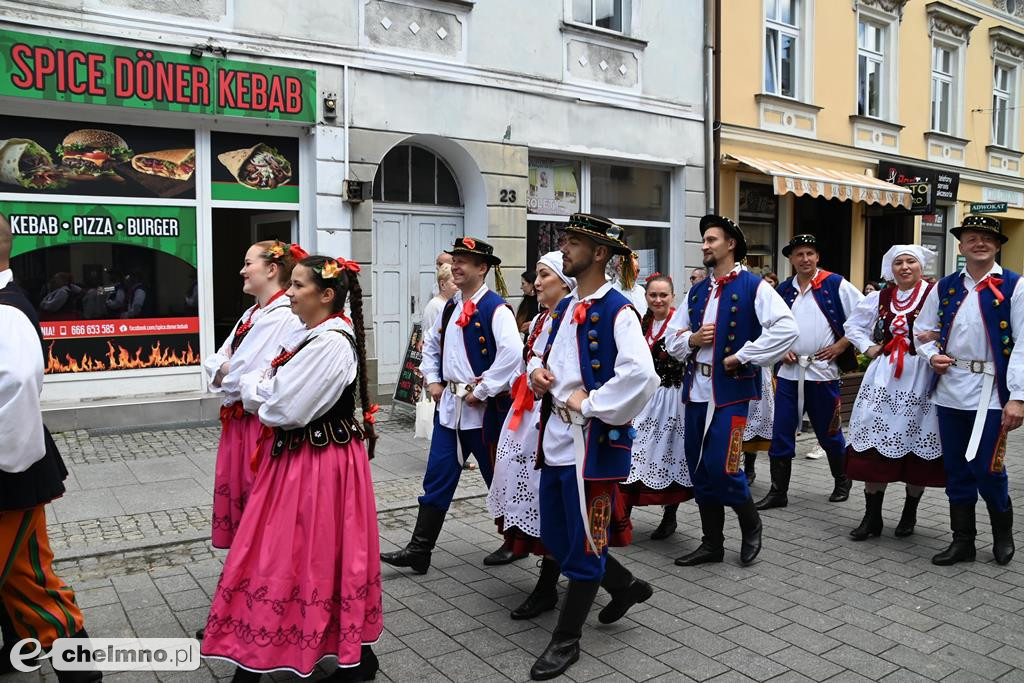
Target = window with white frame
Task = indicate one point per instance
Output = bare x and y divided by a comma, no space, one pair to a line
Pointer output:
782,47
871,76
608,14
944,88
1004,105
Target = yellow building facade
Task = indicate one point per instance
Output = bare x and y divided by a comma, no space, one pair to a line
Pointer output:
869,123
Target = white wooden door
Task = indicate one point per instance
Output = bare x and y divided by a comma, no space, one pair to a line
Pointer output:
405,247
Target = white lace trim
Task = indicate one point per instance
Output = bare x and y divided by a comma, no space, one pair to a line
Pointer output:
761,414
515,485
659,455
894,421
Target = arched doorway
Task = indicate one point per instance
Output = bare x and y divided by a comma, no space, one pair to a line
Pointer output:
417,212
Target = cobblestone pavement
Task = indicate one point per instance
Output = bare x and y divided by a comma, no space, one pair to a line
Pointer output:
815,607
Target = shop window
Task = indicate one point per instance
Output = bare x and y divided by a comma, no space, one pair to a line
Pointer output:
933,238
782,47
1004,105
629,192
651,246
759,220
944,88
409,174
554,186
608,14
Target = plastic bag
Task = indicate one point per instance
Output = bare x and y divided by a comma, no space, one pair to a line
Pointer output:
424,418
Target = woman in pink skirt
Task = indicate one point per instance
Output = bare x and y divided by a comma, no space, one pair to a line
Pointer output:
301,583
254,341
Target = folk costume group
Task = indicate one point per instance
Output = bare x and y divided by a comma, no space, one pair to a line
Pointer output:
602,410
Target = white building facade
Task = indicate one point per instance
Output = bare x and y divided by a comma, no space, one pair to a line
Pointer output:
490,118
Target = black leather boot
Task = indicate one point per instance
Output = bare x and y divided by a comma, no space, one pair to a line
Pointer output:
711,548
625,589
750,528
91,676
367,669
503,555
908,520
245,676
564,648
416,555
544,597
778,495
841,491
961,521
668,523
10,637
749,460
871,525
1002,533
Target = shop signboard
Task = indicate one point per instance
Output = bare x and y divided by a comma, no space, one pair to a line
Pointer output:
115,285
260,168
410,380
927,185
66,70
988,207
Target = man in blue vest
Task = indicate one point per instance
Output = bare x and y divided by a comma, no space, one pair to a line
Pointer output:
808,379
594,378
736,324
469,358
979,384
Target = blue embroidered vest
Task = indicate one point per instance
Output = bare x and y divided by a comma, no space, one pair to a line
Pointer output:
478,338
609,447
826,294
995,314
735,325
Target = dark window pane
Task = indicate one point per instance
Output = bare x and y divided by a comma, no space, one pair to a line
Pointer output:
422,176
447,188
376,185
630,192
396,175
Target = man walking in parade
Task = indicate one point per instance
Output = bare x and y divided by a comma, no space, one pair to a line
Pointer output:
808,379
736,325
979,384
594,378
469,357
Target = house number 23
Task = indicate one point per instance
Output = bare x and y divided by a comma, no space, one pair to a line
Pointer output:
508,197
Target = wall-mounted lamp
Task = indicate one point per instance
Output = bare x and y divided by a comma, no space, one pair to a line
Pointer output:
198,51
330,106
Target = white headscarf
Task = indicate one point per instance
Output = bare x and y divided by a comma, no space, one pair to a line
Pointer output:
553,260
923,255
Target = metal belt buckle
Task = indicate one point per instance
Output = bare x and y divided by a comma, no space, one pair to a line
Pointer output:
456,388
562,413
705,369
978,367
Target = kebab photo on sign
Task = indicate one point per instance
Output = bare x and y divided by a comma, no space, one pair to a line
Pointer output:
260,167
24,162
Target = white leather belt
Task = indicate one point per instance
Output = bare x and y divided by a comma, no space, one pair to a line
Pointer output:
987,370
802,362
460,391
577,423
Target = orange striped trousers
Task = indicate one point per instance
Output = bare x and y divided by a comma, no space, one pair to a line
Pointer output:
38,603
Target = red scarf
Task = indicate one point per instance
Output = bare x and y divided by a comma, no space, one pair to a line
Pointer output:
468,311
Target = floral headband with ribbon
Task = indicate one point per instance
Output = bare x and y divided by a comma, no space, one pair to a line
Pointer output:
278,250
656,274
334,267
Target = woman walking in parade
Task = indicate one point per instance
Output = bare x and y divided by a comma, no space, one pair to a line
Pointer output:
658,472
301,582
254,341
894,430
512,500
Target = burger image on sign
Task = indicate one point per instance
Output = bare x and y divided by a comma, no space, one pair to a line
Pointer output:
91,153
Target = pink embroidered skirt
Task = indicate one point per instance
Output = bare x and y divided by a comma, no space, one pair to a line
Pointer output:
233,476
301,582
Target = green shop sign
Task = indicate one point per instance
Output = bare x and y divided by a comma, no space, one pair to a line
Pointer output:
38,225
63,70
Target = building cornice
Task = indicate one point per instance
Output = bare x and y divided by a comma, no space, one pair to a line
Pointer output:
945,18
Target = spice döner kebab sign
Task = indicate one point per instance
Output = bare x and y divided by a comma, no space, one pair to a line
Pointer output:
44,67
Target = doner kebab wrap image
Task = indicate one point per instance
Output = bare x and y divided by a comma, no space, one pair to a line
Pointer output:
177,164
23,162
260,167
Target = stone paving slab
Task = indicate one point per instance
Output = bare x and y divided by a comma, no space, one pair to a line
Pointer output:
816,606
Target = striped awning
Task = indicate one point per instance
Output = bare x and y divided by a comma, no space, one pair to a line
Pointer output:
813,181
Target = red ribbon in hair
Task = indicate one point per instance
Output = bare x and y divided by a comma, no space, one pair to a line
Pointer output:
297,252
522,401
993,283
348,265
579,314
468,311
369,415
652,276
